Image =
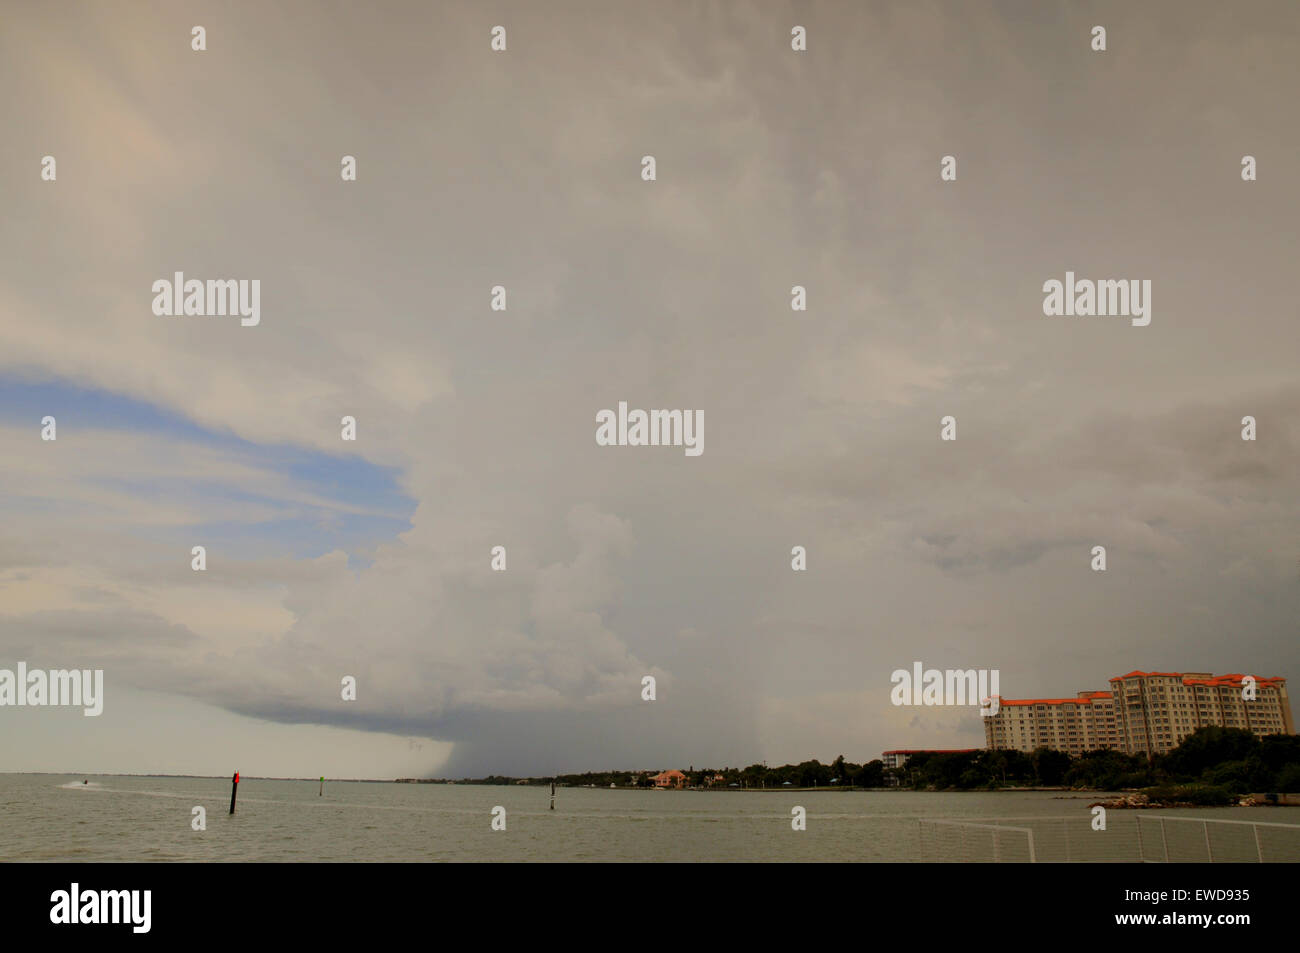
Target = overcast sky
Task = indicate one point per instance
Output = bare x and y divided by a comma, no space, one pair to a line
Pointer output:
476,427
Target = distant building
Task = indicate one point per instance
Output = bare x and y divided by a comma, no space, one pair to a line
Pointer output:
1073,725
1157,710
1144,713
670,779
896,759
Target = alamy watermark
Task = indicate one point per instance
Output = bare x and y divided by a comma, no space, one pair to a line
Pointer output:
654,428
1084,297
56,688
216,296
102,906
947,687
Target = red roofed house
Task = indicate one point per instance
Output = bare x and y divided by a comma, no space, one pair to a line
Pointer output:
670,779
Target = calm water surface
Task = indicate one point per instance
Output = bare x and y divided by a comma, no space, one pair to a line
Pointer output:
57,818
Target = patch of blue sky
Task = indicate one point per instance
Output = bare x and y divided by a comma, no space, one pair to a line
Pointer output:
312,502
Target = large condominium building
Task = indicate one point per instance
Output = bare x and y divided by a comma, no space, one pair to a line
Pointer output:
1073,725
1157,710
1143,713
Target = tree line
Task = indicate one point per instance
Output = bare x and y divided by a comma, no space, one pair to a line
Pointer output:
1233,760
1228,760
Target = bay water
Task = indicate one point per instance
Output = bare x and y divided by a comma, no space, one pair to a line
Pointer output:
58,818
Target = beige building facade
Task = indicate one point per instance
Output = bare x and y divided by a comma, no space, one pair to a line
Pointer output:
1143,713
1074,725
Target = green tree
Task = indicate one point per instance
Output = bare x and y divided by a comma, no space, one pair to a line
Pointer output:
1278,751
1235,776
1288,779
871,775
1050,766
1102,769
1208,747
839,770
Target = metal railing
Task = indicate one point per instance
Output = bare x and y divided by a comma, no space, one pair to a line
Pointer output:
966,830
1129,836
1249,847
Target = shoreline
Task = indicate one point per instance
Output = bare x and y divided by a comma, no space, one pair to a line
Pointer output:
1111,799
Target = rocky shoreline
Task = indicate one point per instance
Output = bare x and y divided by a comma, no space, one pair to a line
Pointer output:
1140,801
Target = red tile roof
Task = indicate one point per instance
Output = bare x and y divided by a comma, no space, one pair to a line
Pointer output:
1086,698
1232,680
